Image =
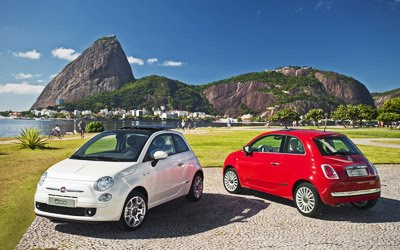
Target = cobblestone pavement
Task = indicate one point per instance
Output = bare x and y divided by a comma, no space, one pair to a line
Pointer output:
248,221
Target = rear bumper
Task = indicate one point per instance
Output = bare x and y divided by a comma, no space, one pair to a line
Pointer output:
356,193
339,192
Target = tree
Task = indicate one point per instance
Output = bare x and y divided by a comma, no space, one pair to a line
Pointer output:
367,113
340,114
314,115
388,117
286,115
392,106
390,111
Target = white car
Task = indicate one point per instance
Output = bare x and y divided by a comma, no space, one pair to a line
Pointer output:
118,175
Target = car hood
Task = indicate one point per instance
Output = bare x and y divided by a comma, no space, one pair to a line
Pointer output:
84,170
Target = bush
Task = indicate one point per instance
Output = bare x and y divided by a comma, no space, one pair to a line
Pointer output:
32,138
94,127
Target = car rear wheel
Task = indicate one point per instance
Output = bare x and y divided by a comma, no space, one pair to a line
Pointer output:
307,200
196,189
231,181
365,204
134,211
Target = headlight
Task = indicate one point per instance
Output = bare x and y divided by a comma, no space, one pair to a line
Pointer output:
104,183
42,178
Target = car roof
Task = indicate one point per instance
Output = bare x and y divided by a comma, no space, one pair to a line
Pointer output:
149,128
310,133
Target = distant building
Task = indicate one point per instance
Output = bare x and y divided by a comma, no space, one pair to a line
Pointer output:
77,113
86,112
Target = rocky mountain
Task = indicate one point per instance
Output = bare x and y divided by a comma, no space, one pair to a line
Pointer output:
382,97
260,93
103,67
288,87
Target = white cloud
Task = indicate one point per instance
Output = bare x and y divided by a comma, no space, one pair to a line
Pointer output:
133,60
25,76
21,88
32,54
152,60
52,76
172,63
66,54
324,4
40,81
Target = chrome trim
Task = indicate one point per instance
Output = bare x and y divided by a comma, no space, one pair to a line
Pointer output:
74,191
356,193
356,167
67,190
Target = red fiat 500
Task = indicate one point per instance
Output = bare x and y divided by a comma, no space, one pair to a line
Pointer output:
311,167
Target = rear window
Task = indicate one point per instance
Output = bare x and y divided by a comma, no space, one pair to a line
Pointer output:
336,145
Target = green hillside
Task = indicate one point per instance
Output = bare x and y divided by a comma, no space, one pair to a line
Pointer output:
148,92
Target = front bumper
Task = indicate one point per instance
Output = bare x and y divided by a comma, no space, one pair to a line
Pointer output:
87,206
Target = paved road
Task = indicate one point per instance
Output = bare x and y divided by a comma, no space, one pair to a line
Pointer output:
378,142
249,221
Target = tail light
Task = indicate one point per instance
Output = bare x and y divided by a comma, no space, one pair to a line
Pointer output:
329,172
375,172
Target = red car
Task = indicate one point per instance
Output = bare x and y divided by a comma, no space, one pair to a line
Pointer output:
311,167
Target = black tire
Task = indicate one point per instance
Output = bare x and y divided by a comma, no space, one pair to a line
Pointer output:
231,181
196,189
134,211
365,204
307,200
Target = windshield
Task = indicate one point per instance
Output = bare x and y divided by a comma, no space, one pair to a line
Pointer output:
336,145
124,145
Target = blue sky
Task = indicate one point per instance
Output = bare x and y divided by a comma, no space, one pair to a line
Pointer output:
198,42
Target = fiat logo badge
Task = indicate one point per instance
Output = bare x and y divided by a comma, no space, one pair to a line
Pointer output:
62,190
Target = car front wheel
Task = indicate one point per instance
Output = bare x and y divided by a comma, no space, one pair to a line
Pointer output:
196,189
307,200
365,204
134,211
231,181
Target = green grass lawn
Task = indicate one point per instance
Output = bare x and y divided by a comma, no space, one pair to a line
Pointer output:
22,168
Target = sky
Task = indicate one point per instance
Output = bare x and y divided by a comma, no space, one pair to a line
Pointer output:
198,42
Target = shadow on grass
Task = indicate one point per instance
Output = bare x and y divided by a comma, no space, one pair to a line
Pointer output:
177,218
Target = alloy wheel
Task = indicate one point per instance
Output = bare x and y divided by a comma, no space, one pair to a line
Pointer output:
231,181
135,211
305,200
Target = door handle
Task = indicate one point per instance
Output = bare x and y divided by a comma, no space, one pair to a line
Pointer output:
180,164
144,174
275,163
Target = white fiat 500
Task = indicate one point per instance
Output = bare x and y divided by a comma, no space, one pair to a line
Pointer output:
118,175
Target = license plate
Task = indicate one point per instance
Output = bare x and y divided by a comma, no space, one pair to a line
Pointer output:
357,172
62,202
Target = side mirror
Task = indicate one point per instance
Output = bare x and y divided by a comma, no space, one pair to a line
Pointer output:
158,155
246,150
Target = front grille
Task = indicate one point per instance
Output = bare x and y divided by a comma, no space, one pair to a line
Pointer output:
75,211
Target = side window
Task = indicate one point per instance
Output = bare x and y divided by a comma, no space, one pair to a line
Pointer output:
293,146
269,143
180,144
160,143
